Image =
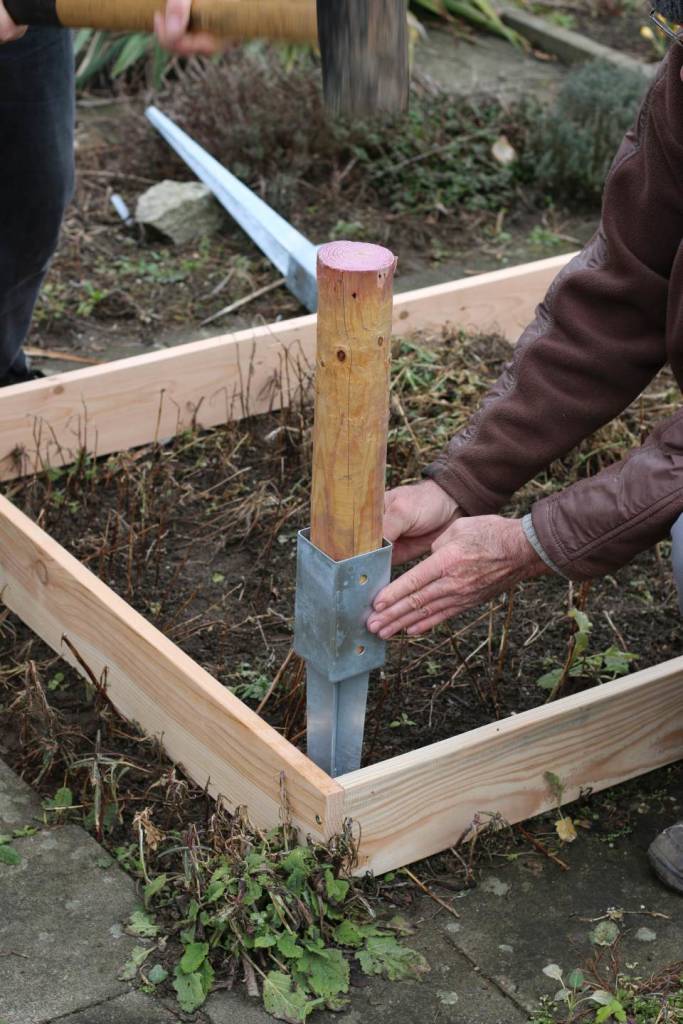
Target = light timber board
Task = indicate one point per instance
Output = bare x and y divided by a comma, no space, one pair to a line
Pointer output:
218,740
419,803
136,401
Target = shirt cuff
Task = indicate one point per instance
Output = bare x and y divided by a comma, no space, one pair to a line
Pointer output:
532,537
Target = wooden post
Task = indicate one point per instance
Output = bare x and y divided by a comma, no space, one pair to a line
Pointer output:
355,290
364,48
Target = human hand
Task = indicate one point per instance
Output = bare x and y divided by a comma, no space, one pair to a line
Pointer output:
8,30
473,560
172,27
414,516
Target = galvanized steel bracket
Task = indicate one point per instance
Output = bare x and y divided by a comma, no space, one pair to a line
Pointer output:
333,602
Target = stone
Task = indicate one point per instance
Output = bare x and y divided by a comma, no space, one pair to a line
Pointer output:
181,211
495,886
448,998
58,911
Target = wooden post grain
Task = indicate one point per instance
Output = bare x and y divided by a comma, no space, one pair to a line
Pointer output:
364,47
355,290
291,20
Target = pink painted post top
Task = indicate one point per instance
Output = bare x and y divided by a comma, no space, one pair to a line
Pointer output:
355,257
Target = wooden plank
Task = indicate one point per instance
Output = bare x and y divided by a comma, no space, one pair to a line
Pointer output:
422,802
501,300
217,739
135,401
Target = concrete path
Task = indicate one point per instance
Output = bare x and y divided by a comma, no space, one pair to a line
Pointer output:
64,904
485,65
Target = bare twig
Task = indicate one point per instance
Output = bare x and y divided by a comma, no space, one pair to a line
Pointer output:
538,845
243,301
53,353
428,892
276,679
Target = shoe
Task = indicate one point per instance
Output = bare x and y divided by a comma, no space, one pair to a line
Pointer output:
666,857
20,377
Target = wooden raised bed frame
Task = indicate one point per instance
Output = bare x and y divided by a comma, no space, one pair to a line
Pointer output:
405,808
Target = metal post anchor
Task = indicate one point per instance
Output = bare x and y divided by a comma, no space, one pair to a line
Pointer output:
333,602
292,253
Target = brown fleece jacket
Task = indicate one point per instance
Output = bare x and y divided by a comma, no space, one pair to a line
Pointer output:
611,319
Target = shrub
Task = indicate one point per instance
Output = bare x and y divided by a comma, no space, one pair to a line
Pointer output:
265,120
571,146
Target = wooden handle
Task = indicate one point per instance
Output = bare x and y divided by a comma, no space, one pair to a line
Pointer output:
293,20
355,290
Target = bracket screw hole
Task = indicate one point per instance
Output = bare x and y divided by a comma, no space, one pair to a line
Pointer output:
362,580
360,649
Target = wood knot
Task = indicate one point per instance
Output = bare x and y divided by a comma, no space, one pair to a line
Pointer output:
380,341
42,573
341,355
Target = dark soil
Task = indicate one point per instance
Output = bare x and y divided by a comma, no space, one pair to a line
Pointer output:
427,185
200,537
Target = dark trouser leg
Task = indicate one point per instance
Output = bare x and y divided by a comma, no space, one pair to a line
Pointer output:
666,852
677,558
36,173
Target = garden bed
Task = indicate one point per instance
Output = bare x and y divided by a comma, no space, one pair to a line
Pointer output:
199,536
427,185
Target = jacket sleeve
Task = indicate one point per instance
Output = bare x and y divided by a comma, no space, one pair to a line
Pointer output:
598,339
599,524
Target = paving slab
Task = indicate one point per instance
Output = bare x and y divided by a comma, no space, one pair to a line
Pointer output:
62,944
528,914
452,993
486,65
133,1008
60,929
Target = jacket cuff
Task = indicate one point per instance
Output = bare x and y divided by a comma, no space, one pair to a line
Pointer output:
545,529
532,537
